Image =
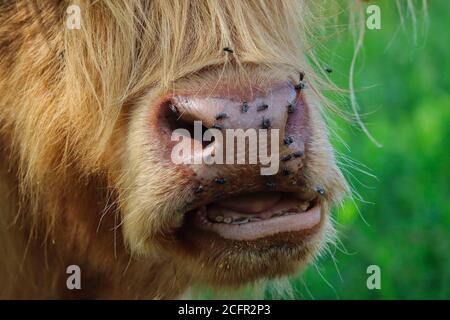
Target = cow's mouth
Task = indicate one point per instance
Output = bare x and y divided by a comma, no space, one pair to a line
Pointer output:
253,216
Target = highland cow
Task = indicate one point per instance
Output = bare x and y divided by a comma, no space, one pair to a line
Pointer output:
86,176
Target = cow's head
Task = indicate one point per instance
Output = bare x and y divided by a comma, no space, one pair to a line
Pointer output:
139,78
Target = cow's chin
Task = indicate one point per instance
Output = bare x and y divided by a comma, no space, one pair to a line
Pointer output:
279,241
274,245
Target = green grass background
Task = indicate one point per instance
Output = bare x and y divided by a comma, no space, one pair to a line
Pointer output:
403,86
403,81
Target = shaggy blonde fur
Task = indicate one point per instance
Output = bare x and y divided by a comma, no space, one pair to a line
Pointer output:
75,184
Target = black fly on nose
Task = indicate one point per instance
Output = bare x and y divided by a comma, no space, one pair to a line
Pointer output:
220,180
291,107
302,76
288,140
265,123
221,116
245,107
301,85
262,107
217,126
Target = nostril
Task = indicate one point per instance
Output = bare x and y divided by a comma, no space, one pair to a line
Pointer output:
173,120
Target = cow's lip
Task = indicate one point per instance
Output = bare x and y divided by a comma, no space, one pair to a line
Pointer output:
289,214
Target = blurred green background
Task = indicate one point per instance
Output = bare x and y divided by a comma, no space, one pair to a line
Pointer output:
402,79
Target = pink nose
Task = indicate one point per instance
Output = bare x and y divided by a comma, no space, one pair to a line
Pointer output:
279,110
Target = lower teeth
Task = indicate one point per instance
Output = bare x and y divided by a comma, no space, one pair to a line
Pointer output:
228,220
278,214
242,220
303,207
